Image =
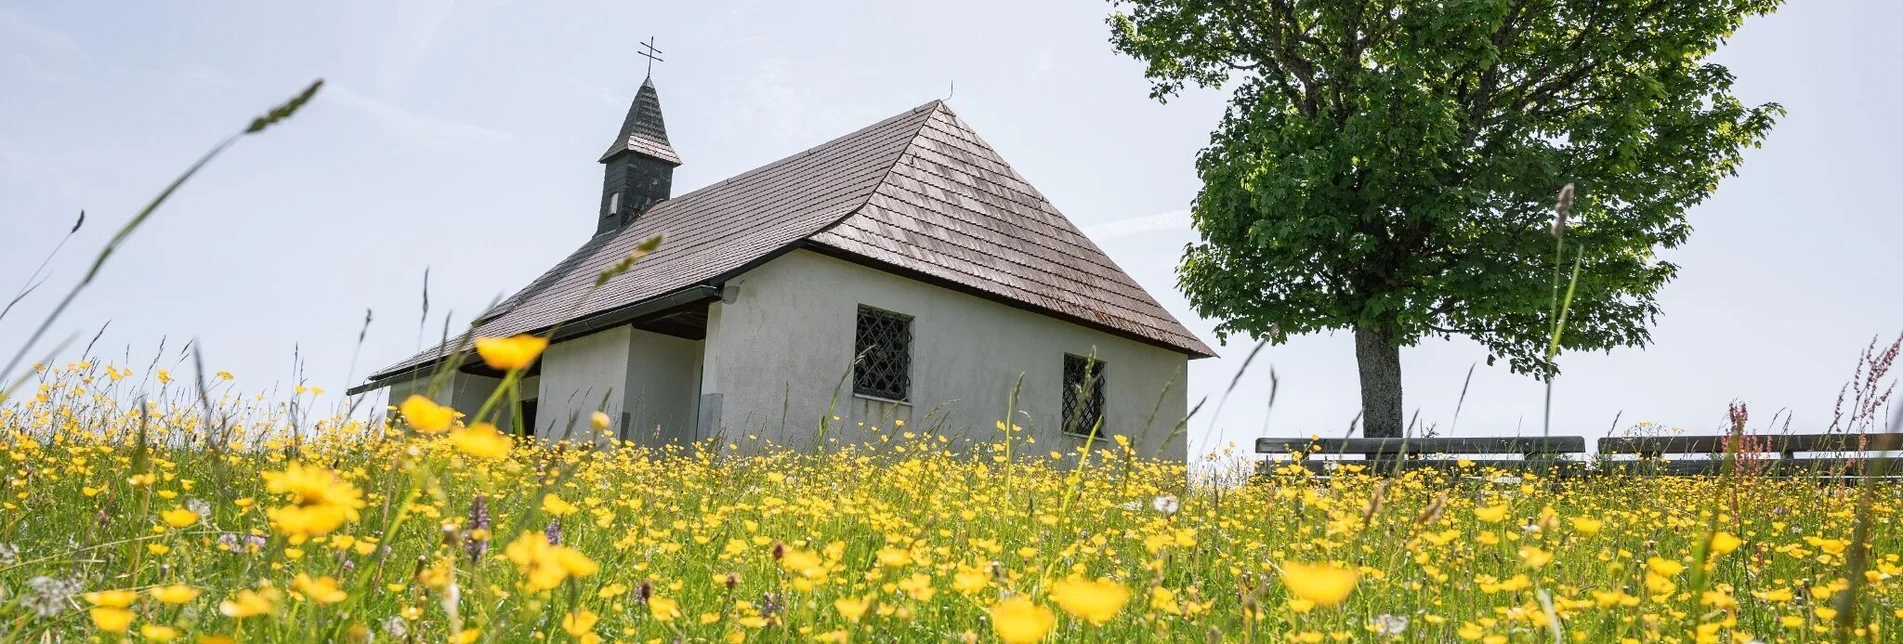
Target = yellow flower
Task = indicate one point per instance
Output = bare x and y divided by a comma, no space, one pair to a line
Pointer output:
517,352
1163,600
1664,567
158,633
174,594
580,622
804,563
599,420
1326,584
112,598
322,590
1535,557
852,608
969,581
1096,602
425,416
111,620
1825,613
480,440
1491,513
1587,525
1724,542
544,566
250,603
468,636
1018,620
179,517
321,501
663,609
556,506
894,557
165,376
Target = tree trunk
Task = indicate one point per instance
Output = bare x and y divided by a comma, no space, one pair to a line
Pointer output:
1380,361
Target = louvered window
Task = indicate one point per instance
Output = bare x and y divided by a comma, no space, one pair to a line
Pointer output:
883,339
1083,394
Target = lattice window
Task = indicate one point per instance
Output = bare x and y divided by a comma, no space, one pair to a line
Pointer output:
884,339
1083,394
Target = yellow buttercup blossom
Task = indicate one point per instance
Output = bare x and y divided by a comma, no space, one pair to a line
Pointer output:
969,581
481,440
1018,620
663,609
1587,525
112,598
544,566
1535,557
507,354
1724,542
425,416
1491,513
174,594
1326,584
111,620
580,622
804,563
1664,567
1096,602
852,608
321,501
158,632
249,603
179,517
554,505
322,590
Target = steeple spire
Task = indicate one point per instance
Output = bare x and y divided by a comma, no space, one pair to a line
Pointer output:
640,163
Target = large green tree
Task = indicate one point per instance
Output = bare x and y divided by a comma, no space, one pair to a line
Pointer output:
1389,167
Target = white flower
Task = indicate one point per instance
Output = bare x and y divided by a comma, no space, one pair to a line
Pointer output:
1389,625
1166,504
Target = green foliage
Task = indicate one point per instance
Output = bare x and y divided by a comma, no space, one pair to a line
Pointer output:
1389,165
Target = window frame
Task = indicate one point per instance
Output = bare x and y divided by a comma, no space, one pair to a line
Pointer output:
875,358
1091,369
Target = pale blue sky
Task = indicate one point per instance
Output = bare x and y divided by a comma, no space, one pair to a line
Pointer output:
462,137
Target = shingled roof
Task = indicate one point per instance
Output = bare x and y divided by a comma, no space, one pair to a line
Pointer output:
918,193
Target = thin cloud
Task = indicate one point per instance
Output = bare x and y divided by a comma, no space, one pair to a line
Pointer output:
427,130
784,106
1128,226
45,39
415,27
1045,64
590,90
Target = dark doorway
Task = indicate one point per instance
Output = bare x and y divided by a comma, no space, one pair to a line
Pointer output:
528,419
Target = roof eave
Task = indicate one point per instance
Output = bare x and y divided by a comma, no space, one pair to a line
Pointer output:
573,328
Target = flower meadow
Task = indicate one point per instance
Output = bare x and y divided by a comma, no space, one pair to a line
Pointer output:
139,506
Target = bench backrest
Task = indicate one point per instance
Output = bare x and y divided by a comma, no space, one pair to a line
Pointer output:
1527,446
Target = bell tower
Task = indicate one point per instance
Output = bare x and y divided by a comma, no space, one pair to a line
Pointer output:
639,166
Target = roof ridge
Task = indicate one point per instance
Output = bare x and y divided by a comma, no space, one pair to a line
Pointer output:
937,106
789,157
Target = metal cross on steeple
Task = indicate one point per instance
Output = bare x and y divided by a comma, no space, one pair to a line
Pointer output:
650,54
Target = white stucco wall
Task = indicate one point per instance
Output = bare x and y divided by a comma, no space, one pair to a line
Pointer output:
579,376
647,383
465,392
663,389
776,353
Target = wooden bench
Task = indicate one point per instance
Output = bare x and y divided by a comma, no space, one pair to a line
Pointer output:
1772,454
1387,455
